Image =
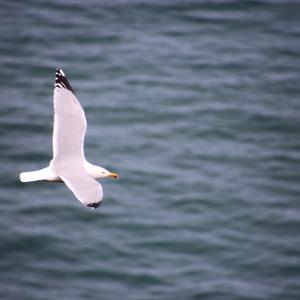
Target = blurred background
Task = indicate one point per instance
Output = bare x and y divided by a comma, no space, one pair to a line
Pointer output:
196,105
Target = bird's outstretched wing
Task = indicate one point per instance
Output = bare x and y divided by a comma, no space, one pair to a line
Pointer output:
68,140
69,121
86,189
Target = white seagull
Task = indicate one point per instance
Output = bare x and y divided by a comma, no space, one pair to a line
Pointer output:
69,164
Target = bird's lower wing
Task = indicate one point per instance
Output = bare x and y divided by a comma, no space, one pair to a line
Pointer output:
86,189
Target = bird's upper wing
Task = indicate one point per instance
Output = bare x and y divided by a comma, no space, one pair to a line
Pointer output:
69,121
68,139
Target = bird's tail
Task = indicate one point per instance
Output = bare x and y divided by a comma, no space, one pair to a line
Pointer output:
34,175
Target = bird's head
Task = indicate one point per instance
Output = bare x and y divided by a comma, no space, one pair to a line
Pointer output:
102,172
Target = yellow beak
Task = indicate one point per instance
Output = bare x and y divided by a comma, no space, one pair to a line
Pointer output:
114,175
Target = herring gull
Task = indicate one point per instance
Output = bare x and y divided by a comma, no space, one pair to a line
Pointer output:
69,164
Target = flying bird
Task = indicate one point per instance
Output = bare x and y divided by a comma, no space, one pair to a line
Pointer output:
69,164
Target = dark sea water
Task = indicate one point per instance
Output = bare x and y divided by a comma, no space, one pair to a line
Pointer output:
197,105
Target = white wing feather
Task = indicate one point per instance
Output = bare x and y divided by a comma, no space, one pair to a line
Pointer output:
69,124
68,141
86,189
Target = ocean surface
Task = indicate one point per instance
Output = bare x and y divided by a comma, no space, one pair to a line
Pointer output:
196,104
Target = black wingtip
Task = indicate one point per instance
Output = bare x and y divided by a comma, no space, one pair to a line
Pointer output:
60,71
94,205
61,80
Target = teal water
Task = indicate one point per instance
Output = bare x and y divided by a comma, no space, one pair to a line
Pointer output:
196,104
